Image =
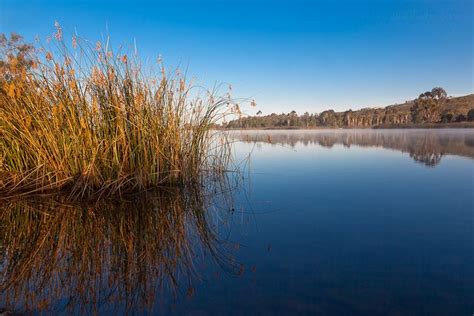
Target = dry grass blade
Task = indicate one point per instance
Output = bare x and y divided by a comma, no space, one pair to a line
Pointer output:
88,121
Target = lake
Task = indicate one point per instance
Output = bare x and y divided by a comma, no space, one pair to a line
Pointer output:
324,222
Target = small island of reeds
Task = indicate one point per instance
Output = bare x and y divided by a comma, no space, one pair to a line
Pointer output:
85,120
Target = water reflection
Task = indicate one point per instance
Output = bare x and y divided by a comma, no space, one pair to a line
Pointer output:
424,146
319,234
122,255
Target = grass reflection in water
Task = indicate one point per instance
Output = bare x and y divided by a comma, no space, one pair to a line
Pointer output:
80,257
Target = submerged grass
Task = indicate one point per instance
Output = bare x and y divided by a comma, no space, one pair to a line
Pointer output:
87,121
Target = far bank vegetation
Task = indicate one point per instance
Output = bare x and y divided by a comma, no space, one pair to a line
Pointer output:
431,109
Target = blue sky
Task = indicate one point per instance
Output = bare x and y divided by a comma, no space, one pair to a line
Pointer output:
288,55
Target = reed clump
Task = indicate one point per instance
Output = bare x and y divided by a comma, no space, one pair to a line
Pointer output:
86,120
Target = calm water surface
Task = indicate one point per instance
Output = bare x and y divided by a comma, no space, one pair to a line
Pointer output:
333,222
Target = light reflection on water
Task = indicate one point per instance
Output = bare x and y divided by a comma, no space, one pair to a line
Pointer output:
346,222
425,146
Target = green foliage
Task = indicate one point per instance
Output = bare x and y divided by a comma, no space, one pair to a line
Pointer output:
426,107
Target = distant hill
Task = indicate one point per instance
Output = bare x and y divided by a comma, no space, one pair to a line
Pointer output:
462,104
429,110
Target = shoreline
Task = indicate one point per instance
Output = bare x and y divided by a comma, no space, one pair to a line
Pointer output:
392,126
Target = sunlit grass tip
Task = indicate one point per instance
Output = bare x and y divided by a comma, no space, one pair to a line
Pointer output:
86,120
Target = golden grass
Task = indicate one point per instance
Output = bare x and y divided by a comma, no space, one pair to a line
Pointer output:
87,121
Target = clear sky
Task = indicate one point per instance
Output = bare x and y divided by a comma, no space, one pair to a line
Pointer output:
288,55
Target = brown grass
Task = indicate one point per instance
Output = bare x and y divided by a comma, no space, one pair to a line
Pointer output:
87,121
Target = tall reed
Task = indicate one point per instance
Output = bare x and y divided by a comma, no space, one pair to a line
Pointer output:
87,120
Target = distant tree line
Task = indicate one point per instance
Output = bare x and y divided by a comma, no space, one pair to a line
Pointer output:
430,107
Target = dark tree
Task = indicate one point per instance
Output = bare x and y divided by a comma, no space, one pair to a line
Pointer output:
470,115
447,116
461,118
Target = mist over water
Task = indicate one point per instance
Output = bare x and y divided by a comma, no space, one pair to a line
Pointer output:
425,146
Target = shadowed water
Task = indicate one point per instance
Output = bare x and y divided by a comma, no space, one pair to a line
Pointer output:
331,222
